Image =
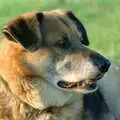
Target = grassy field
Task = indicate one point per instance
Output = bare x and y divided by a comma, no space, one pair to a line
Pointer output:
100,17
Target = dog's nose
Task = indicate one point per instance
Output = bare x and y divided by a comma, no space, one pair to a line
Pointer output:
101,62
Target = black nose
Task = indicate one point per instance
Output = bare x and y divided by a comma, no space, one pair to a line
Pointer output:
101,62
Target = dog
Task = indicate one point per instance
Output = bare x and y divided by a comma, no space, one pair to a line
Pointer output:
47,72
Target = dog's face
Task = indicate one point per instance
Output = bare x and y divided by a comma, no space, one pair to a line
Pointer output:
53,46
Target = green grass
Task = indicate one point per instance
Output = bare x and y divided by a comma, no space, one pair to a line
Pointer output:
100,17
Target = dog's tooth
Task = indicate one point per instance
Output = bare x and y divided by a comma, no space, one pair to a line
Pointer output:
69,85
83,84
87,81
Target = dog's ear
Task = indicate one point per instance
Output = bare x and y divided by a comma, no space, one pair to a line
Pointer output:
19,30
80,27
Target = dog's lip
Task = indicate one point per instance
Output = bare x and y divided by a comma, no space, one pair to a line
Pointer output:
82,84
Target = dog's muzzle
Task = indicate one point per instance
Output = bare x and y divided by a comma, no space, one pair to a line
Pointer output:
101,64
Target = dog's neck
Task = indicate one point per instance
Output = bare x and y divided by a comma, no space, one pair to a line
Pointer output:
21,111
72,111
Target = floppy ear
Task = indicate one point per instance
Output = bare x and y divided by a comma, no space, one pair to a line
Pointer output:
80,27
20,31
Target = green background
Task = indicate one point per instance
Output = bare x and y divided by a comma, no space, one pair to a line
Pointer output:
100,17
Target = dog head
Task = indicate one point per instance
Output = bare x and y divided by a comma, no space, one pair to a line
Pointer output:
52,46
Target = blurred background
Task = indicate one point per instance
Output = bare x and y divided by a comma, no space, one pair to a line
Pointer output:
101,18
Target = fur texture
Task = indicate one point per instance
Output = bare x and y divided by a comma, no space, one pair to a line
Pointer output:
109,86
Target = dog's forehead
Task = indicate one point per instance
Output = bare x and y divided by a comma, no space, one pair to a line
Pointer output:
50,16
57,15
59,25
54,19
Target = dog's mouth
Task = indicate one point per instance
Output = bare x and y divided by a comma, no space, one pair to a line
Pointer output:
84,84
89,84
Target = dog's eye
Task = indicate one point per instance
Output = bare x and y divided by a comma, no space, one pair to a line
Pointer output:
64,44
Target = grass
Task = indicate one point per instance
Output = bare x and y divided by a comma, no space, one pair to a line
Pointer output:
100,17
